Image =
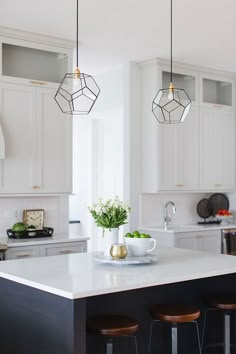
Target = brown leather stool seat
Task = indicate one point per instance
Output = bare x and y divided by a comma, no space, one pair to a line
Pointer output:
111,326
222,302
174,314
225,303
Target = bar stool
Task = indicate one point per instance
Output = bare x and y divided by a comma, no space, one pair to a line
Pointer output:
174,314
111,326
225,304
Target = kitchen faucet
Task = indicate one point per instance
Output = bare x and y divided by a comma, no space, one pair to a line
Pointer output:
166,217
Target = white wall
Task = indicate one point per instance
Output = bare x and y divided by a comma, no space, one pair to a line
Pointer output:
152,208
56,212
98,154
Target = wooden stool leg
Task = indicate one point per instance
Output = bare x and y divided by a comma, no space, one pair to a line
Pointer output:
174,338
226,332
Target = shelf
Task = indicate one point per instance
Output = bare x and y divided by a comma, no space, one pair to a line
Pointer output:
217,92
182,81
35,64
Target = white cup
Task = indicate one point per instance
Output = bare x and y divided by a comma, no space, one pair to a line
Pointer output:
139,246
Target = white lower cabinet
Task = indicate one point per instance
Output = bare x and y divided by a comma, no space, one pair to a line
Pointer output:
65,248
57,248
22,252
209,241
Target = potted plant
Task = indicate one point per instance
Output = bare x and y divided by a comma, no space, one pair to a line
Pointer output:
110,215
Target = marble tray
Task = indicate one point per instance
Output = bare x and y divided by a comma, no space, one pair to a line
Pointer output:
149,258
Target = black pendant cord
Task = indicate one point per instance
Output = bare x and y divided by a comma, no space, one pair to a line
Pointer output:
170,40
77,33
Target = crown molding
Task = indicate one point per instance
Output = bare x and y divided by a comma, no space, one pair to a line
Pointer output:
36,37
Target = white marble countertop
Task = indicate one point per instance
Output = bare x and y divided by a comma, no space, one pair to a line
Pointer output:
78,275
40,241
188,228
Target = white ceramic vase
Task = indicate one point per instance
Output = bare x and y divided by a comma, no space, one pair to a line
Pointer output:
111,237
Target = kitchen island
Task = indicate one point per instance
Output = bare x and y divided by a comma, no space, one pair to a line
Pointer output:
45,301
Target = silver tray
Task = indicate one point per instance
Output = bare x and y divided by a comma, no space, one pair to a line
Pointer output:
149,258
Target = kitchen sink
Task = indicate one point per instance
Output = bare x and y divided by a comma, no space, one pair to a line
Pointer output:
170,227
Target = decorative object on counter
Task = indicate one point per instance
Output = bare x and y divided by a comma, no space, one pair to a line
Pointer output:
204,210
77,92
171,105
139,247
129,260
207,208
225,216
110,214
118,251
219,201
30,233
34,217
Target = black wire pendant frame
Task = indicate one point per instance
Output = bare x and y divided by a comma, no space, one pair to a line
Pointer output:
171,105
78,92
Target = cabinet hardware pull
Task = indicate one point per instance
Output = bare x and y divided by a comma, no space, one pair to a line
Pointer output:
218,185
23,255
38,83
179,185
65,252
199,236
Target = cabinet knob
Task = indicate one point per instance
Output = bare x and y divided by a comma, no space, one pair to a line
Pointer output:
65,252
38,82
179,185
23,255
34,187
218,185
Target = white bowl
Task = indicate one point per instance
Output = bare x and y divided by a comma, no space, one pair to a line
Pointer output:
139,246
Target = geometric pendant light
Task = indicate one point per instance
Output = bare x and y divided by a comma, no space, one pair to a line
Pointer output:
171,105
77,92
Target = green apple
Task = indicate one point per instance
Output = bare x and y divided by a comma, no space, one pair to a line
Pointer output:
145,236
136,233
129,235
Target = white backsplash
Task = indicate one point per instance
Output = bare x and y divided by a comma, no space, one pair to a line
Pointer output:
56,212
152,208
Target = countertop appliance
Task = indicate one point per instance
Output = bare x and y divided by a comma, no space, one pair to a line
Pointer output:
228,241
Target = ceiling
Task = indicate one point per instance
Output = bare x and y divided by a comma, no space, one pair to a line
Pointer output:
114,32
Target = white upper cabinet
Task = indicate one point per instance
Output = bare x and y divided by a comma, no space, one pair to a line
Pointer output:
54,145
217,149
199,154
17,117
178,147
38,142
38,136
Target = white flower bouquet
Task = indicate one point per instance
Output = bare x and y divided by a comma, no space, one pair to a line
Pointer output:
110,213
